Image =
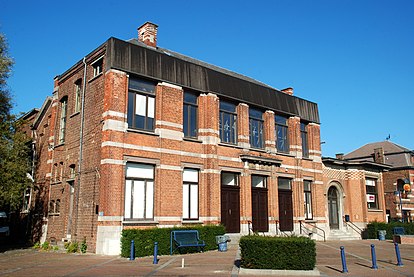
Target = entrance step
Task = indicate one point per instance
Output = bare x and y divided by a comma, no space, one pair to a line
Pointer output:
342,235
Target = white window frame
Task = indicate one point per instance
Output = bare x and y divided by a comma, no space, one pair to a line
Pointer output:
190,194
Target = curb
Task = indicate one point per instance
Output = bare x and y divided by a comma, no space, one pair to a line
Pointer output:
246,271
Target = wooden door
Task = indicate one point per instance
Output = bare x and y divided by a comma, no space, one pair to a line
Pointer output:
230,208
333,208
260,217
285,210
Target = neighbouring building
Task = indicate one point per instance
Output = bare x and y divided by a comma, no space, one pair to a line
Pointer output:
398,180
138,136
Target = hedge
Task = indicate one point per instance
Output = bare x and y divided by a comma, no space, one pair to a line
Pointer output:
289,253
144,239
373,228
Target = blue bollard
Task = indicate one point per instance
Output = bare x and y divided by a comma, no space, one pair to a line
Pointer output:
344,268
374,257
155,253
132,253
397,252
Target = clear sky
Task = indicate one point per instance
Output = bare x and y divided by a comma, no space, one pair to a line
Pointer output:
355,58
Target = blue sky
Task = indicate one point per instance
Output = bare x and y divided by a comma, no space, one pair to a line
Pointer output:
355,58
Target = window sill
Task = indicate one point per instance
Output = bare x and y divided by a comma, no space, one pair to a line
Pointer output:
310,221
191,221
285,154
189,139
59,145
145,132
74,114
375,210
95,77
56,183
139,222
54,214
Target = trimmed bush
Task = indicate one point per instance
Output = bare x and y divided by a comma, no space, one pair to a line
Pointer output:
144,239
289,253
373,228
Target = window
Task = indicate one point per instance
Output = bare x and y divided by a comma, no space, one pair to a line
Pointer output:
259,181
284,183
190,194
63,115
228,122
78,89
372,194
308,199
304,137
282,140
61,171
190,115
229,179
55,172
139,191
97,67
256,128
26,199
141,104
54,207
72,172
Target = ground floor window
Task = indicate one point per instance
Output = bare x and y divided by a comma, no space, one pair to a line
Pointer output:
139,191
372,193
308,199
190,194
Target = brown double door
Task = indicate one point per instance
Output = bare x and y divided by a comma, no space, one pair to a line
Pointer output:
230,208
285,210
260,221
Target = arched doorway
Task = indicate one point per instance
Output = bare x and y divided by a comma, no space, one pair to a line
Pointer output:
333,207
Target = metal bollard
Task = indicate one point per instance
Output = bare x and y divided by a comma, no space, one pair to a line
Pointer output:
374,257
344,268
132,253
155,253
397,252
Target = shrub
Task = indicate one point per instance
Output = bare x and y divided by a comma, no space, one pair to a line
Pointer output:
72,247
83,246
36,245
46,246
144,239
290,253
373,228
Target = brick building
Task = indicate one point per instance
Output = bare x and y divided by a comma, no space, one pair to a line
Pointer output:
398,180
138,136
355,195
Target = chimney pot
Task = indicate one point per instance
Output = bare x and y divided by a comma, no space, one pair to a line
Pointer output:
340,156
287,91
147,34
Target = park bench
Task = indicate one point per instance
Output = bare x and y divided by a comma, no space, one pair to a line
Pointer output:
185,238
400,237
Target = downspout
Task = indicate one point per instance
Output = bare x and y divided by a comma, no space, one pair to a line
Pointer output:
80,145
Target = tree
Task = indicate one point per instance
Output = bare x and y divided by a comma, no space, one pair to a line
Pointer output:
14,152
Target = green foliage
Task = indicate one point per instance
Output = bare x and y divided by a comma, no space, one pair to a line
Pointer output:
46,246
36,245
83,246
14,150
72,247
144,239
373,227
289,253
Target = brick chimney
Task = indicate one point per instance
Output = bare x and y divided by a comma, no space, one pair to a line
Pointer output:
379,155
339,156
147,34
287,91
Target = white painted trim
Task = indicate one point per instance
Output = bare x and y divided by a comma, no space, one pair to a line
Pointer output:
209,131
168,218
210,171
114,114
110,218
113,161
170,167
169,134
169,124
115,125
209,218
170,85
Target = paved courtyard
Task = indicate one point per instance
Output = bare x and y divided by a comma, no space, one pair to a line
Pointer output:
28,262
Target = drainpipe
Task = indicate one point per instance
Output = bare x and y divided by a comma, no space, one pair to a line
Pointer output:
80,145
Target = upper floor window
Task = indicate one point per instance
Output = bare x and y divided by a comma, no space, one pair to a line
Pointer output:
97,67
230,179
228,122
141,104
282,140
304,137
308,199
63,116
78,85
372,193
256,128
190,115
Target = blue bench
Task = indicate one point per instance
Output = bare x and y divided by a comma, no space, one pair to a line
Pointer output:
398,231
185,238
